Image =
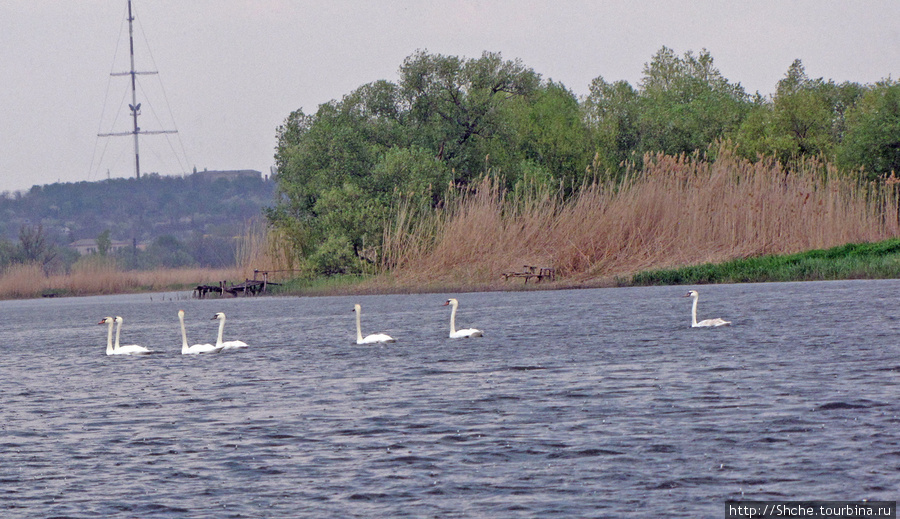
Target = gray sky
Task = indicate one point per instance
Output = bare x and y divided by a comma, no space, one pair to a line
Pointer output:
232,70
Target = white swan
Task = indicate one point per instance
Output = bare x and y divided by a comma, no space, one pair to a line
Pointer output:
368,339
197,348
707,322
128,349
227,345
464,333
109,345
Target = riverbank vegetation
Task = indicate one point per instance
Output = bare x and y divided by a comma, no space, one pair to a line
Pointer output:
676,211
468,168
98,274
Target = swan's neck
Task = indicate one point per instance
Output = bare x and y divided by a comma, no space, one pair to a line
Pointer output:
453,318
358,327
184,344
118,329
221,329
109,345
694,312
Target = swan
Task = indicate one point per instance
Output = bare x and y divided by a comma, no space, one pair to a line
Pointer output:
128,349
109,345
368,339
464,333
197,348
227,345
706,322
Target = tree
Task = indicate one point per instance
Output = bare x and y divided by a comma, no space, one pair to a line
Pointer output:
340,170
548,133
33,245
104,243
686,104
873,137
809,114
611,111
456,105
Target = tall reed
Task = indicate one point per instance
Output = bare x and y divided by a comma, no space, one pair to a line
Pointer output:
263,247
102,277
676,211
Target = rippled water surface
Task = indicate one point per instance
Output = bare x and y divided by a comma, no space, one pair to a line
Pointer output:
582,403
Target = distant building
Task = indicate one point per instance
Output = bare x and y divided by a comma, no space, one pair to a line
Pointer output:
232,174
89,246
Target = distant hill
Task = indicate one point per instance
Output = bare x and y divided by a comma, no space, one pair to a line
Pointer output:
211,203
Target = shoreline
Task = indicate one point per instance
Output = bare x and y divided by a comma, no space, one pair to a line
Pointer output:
877,260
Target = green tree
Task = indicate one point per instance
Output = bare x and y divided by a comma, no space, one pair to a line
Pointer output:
686,104
873,137
104,242
611,111
805,117
809,114
456,105
340,170
547,133
325,163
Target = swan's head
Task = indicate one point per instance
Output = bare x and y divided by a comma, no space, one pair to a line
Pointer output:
692,293
357,308
219,315
451,301
119,319
106,320
181,314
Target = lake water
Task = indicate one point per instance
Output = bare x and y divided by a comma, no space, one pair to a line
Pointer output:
575,403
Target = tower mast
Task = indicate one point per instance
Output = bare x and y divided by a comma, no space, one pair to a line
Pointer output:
135,107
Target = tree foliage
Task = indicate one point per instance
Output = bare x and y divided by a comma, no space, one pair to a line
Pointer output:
447,121
345,170
872,142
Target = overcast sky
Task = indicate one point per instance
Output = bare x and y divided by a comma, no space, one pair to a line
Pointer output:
232,70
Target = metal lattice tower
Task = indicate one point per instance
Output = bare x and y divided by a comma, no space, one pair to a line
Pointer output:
135,107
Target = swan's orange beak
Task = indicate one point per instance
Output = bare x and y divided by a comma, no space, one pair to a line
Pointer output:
447,302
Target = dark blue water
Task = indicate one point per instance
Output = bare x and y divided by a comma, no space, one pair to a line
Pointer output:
583,403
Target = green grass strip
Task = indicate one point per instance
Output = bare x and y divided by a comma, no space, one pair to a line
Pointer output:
880,260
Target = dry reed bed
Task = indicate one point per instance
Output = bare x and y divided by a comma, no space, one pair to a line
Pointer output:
94,275
675,212
26,281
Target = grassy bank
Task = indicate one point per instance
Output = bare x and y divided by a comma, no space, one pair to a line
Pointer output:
853,261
